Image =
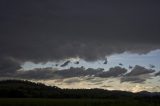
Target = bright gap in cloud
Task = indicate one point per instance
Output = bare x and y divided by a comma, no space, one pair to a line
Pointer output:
126,59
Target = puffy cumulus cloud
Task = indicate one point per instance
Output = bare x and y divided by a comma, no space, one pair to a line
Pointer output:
113,72
138,74
43,30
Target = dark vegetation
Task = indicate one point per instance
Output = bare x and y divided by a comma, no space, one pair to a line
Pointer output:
25,93
27,89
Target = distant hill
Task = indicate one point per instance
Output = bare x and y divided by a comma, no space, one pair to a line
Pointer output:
27,89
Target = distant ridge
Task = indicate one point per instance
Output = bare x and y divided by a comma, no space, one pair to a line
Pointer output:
27,89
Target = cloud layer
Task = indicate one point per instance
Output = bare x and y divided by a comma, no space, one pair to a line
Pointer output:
113,72
52,30
138,74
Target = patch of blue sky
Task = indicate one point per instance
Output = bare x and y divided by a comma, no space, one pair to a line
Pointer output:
126,59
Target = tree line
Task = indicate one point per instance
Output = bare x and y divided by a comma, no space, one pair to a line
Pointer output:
27,89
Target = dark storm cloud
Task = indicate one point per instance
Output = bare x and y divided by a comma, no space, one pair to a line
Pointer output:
157,74
138,74
78,72
36,74
77,62
8,66
113,72
44,30
139,70
65,63
50,73
133,79
152,66
90,75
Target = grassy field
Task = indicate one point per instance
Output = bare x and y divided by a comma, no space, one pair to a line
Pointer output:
74,102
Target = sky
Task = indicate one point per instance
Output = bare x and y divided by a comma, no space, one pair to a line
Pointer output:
111,45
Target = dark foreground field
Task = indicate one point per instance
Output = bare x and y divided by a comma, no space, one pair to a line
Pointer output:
25,93
74,102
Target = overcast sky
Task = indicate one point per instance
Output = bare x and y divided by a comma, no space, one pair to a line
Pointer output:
99,43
